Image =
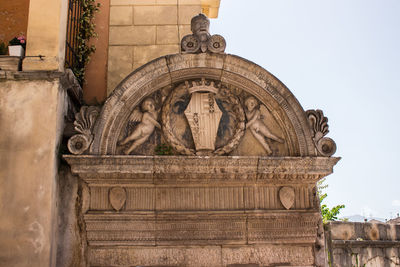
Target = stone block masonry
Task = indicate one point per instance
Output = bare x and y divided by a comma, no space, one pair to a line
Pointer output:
363,244
141,31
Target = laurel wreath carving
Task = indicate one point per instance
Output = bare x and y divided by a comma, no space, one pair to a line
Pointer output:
224,94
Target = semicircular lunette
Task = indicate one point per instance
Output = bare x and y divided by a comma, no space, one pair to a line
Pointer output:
280,126
203,117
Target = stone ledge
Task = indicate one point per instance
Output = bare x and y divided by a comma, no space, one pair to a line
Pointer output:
190,256
365,243
150,169
10,63
31,75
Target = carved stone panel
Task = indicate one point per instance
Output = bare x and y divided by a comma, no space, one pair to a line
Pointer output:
286,196
203,116
117,197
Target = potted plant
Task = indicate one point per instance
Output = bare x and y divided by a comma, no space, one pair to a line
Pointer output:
16,47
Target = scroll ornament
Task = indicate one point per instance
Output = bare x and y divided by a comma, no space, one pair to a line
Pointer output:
319,124
84,122
201,41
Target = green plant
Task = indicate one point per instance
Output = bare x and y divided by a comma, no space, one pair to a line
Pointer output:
3,48
85,33
327,213
163,149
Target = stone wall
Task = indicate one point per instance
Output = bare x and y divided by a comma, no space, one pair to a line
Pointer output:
144,30
363,244
32,108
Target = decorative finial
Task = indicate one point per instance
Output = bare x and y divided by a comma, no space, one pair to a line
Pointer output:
201,40
319,125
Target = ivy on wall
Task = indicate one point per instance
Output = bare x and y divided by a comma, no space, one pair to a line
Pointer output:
85,33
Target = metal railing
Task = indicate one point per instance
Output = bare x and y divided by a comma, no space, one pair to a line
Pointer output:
71,55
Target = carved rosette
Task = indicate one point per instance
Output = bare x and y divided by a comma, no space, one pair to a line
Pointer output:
84,122
201,41
319,125
230,103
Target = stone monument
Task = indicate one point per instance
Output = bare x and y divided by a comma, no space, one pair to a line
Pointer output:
201,159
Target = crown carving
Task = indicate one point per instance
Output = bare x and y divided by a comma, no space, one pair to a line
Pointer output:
201,86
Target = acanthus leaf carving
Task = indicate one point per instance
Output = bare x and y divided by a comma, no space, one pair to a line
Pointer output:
201,41
319,125
85,119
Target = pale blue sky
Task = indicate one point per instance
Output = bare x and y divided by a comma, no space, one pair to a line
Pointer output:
341,56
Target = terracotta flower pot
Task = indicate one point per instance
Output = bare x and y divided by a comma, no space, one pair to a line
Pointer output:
16,50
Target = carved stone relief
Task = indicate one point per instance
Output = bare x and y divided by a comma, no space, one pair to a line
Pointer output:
319,124
200,117
84,122
117,197
256,126
147,122
203,116
176,116
244,152
201,40
286,196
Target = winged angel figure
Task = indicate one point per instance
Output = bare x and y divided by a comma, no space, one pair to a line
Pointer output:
148,122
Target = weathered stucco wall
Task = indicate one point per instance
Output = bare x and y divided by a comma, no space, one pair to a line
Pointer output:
31,123
71,235
363,244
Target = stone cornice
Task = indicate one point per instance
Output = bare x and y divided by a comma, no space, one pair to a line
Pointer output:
188,169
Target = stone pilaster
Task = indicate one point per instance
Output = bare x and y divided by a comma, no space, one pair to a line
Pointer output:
46,35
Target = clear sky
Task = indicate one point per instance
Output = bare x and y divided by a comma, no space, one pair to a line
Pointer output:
341,56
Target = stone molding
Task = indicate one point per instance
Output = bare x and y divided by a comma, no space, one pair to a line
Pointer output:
216,228
181,169
194,256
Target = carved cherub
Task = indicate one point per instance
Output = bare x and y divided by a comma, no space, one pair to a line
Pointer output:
148,122
257,126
